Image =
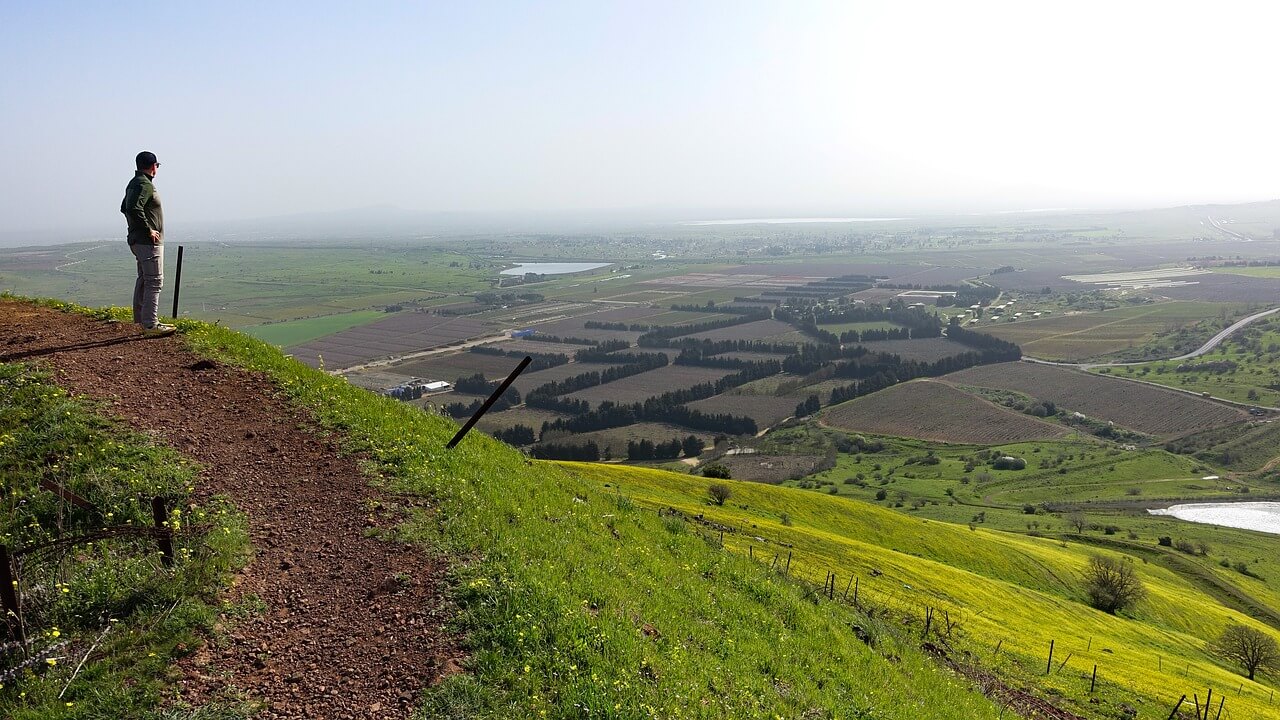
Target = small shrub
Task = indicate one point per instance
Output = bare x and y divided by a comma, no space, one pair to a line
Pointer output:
1112,584
1165,541
881,494
716,470
719,492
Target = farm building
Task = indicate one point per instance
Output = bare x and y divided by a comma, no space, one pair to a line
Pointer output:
521,333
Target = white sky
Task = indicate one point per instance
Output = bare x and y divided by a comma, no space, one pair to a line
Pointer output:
739,108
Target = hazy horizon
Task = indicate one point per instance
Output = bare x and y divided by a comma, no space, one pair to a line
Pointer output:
678,112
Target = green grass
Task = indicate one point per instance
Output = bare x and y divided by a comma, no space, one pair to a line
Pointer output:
578,603
1262,272
115,592
295,332
578,600
1249,369
1018,591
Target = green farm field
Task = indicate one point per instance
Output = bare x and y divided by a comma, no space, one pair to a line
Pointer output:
249,284
293,332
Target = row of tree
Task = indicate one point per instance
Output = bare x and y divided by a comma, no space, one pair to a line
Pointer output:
691,446
541,361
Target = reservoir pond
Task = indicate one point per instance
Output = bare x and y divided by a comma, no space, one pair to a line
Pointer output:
1261,516
555,268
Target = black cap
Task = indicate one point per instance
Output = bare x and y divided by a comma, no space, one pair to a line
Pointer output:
145,160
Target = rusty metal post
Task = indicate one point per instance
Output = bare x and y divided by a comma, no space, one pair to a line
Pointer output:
1048,668
9,588
489,403
1175,707
164,536
177,284
1094,680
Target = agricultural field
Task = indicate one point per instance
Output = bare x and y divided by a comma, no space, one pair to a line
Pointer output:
530,380
451,366
399,334
637,388
1245,368
924,349
766,330
1138,406
1156,329
838,328
766,410
294,332
522,415
936,411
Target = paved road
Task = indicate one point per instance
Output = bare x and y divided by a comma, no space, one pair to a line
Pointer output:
1213,342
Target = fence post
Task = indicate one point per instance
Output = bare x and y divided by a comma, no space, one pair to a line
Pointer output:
787,572
1048,668
164,536
493,398
9,591
177,284
1094,680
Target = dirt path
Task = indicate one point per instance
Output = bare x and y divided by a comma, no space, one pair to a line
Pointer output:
352,627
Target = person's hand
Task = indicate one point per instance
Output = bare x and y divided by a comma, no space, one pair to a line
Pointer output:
155,236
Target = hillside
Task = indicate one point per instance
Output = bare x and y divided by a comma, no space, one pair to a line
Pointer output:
571,600
609,591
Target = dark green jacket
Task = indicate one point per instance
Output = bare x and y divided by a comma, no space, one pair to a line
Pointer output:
141,208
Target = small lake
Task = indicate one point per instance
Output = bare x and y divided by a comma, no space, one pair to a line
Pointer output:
1261,516
556,268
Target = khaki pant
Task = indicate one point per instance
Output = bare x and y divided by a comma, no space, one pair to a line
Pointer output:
146,290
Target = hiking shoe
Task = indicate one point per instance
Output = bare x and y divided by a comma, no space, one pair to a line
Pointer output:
159,330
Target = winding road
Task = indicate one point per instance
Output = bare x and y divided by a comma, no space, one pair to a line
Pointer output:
1213,342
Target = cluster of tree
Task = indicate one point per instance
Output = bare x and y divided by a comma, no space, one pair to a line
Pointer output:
567,340
600,353
874,335
711,307
1214,366
478,384
661,336
633,327
716,347
517,435
541,361
461,409
761,368
920,322
588,451
648,450
809,406
994,350
508,298
667,408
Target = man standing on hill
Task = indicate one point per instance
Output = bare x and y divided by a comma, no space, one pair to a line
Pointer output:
141,208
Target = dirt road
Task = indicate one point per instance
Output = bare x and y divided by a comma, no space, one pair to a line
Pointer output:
352,625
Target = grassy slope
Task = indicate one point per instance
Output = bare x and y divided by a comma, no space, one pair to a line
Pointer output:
1021,591
579,604
114,594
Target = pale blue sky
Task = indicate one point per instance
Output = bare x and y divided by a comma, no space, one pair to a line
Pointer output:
838,107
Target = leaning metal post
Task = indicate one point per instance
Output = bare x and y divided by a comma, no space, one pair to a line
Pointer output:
489,403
